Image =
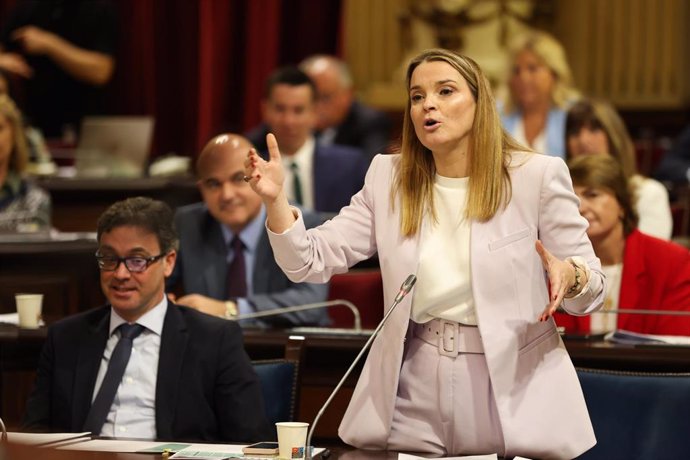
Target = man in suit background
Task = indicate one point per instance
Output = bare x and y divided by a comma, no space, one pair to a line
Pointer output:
342,119
184,375
206,263
317,177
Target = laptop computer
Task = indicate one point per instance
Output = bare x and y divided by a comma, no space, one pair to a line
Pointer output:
113,146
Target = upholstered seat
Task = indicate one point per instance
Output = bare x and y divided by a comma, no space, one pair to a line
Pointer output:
364,288
637,415
280,382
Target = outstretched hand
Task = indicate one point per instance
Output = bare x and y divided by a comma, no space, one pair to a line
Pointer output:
265,177
561,278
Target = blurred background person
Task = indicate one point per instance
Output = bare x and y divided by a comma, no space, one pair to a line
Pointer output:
64,52
207,262
342,119
595,128
319,178
539,90
38,150
675,164
24,207
642,272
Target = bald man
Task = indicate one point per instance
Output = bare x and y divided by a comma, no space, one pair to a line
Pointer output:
342,119
206,264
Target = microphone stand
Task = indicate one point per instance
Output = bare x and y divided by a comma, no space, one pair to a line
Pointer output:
404,290
310,306
4,431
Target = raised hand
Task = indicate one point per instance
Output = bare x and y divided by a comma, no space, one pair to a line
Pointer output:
561,278
265,177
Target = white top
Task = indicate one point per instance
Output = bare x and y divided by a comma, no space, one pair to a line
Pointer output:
653,207
444,288
539,144
602,321
304,158
133,413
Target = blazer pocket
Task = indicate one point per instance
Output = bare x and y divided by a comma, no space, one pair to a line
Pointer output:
510,239
547,334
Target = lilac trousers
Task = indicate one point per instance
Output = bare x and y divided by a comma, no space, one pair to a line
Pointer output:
445,404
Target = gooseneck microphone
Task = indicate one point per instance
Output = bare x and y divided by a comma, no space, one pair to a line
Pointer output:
310,306
405,289
4,431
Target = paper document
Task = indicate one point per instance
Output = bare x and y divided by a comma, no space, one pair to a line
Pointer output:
13,318
112,445
636,338
45,439
217,451
464,457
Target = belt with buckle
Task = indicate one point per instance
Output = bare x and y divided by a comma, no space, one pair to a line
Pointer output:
451,338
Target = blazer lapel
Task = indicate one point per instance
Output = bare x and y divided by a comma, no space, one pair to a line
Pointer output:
89,357
320,179
215,257
170,362
634,280
263,264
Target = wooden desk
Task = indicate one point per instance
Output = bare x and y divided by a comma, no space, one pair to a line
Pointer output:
19,452
77,203
65,272
326,359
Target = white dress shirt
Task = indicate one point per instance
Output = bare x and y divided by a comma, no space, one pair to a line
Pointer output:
444,282
133,413
304,158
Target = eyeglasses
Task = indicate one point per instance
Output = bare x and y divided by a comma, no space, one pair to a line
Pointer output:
135,264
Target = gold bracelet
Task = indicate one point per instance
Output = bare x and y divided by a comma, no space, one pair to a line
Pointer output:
575,288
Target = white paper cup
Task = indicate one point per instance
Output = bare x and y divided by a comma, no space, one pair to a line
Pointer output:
29,310
292,439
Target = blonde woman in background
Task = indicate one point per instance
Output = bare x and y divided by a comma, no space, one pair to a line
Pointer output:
24,207
539,90
594,127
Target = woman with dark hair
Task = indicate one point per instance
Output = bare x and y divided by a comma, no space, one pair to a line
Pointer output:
470,362
24,207
642,272
594,128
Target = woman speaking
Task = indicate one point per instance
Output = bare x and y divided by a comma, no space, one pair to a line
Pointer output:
470,362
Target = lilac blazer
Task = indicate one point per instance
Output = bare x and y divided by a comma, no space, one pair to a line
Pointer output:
540,403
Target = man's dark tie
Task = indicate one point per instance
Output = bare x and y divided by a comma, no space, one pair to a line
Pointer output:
113,376
296,183
237,272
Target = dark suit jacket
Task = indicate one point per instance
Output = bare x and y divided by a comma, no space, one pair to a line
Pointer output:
656,276
206,388
202,268
366,129
338,171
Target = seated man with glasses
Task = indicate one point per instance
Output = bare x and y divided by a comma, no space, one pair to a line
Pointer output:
141,366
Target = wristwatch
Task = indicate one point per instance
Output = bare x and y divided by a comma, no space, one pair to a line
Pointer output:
230,309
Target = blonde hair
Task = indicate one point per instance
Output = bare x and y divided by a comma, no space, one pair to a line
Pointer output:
19,157
551,53
596,114
490,145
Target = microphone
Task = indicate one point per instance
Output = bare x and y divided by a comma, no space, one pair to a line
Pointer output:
310,306
404,290
4,431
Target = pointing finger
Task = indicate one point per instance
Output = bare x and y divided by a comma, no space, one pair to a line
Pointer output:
273,151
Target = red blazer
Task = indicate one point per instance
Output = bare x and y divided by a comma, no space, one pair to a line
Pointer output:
656,276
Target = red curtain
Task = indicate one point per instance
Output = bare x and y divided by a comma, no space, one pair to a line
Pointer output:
199,66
